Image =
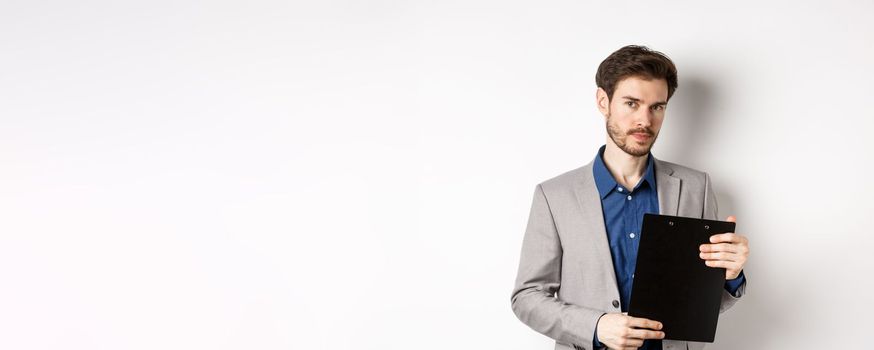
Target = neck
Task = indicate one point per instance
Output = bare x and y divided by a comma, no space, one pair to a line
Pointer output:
625,168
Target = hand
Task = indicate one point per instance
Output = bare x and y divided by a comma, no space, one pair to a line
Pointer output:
619,331
728,250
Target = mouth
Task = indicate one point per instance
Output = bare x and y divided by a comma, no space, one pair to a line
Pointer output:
641,136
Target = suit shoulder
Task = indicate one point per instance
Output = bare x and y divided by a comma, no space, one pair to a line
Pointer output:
683,172
566,180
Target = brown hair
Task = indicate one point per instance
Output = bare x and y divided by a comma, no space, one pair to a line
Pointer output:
639,61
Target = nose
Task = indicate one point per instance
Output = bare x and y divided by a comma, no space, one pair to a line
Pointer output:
643,117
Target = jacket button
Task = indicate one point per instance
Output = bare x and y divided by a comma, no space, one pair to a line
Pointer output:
616,303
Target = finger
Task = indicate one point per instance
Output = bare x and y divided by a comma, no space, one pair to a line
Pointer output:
630,343
720,256
728,237
719,247
638,322
731,218
645,334
724,264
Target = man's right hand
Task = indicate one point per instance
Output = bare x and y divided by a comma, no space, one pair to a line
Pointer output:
620,331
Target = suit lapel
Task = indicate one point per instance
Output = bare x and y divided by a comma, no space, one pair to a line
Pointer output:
593,216
668,188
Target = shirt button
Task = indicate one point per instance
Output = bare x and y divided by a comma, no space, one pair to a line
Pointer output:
629,197
620,189
616,303
631,235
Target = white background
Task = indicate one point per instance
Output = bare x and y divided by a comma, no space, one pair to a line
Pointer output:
358,175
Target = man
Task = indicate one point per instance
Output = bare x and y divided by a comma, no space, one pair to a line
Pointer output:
580,246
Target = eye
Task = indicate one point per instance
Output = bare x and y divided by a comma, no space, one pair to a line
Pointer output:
659,107
631,103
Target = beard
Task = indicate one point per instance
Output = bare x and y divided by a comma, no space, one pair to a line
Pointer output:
627,143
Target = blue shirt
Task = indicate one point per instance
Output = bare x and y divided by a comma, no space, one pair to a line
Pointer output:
623,210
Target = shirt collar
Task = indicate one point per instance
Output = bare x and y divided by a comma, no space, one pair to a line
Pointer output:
604,180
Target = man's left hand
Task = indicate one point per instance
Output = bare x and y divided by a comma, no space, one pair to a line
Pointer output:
728,250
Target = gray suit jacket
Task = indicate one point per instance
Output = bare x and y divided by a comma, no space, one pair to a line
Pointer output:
566,280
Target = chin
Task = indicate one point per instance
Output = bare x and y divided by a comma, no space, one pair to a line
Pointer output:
638,150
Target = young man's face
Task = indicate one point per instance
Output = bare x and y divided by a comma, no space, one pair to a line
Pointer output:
634,116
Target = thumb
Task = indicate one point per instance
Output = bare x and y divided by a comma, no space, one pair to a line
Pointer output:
731,218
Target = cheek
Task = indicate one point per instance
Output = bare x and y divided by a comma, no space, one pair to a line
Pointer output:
619,113
657,124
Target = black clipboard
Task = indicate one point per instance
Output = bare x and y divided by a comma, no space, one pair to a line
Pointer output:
672,284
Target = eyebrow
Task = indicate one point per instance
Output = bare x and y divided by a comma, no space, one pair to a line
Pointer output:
638,100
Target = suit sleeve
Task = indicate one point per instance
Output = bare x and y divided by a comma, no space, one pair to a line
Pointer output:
711,211
538,280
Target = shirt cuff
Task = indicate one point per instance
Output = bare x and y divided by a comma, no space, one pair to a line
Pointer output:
733,285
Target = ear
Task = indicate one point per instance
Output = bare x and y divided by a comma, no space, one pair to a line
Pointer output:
603,101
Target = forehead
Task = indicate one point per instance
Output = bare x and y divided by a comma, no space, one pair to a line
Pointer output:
648,90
